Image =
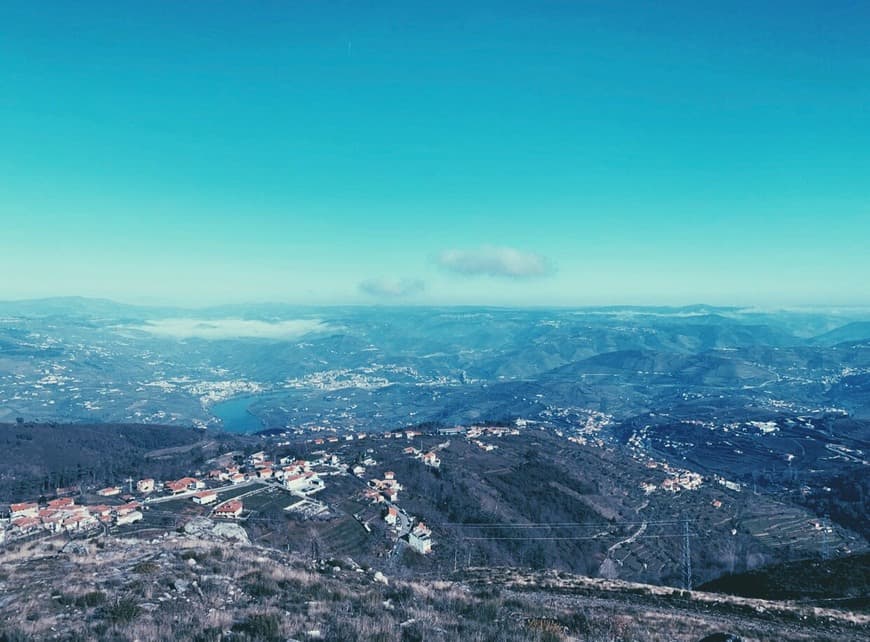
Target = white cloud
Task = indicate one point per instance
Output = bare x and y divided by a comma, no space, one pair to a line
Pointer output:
231,328
390,287
495,261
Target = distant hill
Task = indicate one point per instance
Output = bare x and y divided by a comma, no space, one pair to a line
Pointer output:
855,331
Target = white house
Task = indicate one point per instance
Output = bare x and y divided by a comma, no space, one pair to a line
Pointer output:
420,538
205,497
129,518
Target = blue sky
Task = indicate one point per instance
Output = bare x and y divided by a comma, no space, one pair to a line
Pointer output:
546,153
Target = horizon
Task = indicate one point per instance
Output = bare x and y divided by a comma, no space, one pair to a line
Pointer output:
732,307
496,155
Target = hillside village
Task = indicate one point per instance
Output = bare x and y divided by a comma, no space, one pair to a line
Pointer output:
376,495
76,510
222,490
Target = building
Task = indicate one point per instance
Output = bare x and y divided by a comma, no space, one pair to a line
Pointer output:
79,522
229,510
126,509
145,485
420,538
111,491
129,518
25,525
26,509
391,516
374,496
63,502
205,497
431,459
307,483
100,510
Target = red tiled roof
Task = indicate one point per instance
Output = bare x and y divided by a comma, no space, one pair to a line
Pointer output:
232,506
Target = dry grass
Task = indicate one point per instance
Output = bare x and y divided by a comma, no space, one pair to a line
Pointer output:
179,588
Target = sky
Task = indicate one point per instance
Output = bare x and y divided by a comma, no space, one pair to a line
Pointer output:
498,153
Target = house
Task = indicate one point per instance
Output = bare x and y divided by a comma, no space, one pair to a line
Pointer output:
26,509
100,510
237,478
265,473
79,522
184,484
66,491
648,487
229,510
391,516
51,519
126,509
63,502
205,497
175,487
129,518
145,485
358,470
373,496
431,459
671,485
420,538
410,450
716,503
257,457
308,483
389,475
218,474
26,524
111,491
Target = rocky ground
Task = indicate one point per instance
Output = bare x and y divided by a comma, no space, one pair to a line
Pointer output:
210,585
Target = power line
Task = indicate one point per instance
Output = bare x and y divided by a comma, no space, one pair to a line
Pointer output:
687,557
562,524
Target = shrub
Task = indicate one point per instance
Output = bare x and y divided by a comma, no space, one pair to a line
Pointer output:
121,611
93,598
260,626
262,587
145,568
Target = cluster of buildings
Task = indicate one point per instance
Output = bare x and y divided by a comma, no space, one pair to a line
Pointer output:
386,489
676,481
64,515
474,434
428,458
